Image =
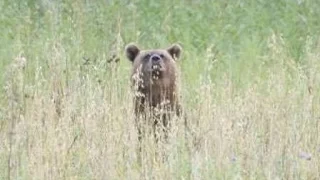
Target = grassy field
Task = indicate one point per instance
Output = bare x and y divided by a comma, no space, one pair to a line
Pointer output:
250,86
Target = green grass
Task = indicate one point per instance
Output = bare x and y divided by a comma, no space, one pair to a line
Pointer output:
250,84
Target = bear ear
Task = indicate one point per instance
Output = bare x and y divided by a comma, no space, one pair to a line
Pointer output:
132,51
175,51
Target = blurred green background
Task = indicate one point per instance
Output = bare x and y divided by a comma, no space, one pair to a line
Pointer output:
237,31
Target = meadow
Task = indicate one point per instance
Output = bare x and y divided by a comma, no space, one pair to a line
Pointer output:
249,84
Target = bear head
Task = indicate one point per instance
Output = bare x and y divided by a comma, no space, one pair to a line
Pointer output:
155,63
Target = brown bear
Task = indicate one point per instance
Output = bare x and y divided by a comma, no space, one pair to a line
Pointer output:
154,81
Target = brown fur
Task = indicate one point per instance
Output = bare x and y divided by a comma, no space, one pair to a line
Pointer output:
155,85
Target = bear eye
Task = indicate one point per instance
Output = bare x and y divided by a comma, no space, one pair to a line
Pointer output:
162,56
147,56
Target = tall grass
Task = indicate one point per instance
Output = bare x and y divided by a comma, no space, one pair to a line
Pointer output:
250,84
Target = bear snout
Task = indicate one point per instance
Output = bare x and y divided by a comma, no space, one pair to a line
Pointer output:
155,63
155,58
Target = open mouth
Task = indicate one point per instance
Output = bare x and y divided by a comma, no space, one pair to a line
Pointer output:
157,67
156,70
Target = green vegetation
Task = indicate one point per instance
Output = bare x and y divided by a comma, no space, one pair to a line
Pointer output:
250,86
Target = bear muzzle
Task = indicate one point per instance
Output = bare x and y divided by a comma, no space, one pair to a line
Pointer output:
156,63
